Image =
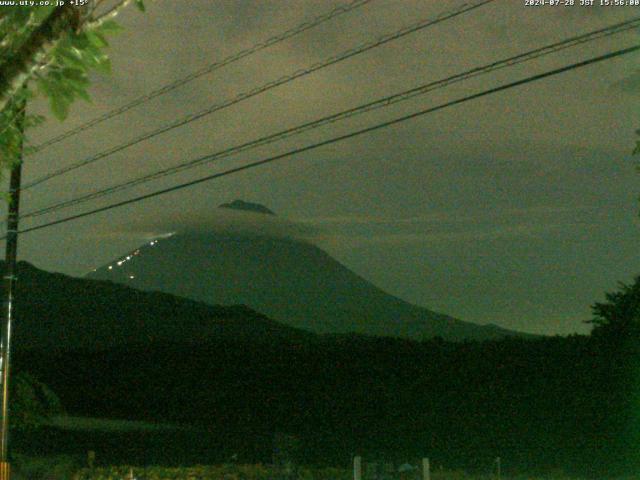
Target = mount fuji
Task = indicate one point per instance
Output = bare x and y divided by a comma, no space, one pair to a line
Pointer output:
290,280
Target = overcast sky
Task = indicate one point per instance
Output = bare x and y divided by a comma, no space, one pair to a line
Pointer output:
518,209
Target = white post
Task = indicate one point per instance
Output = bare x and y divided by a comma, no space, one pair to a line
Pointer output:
426,469
498,467
357,468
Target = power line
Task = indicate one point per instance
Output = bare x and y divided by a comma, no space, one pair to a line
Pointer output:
380,103
340,138
303,27
268,86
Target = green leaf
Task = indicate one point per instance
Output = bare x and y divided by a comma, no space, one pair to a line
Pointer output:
97,40
92,56
103,64
108,27
80,40
75,75
59,106
74,88
44,87
84,95
140,5
77,82
72,57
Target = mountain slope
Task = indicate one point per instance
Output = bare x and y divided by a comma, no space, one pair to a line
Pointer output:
54,311
291,281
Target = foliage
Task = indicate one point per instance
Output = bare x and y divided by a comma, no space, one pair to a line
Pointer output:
636,151
542,404
209,472
538,404
61,74
260,472
619,317
32,402
66,77
16,23
11,135
59,467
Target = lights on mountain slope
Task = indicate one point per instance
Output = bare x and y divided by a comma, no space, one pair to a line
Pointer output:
130,256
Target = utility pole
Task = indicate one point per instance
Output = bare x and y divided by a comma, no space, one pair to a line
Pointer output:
9,285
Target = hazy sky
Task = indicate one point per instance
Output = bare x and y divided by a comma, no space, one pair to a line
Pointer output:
518,209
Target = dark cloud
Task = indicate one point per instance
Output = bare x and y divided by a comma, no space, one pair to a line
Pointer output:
217,220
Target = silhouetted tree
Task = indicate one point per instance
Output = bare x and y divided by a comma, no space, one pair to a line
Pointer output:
32,403
619,317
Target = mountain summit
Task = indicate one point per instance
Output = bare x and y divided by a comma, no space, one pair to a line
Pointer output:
247,207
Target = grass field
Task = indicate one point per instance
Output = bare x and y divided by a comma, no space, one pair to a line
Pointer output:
66,422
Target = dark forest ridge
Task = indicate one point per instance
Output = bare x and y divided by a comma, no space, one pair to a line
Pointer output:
538,403
110,351
61,312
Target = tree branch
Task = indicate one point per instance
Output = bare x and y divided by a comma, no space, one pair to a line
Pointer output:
19,67
108,15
